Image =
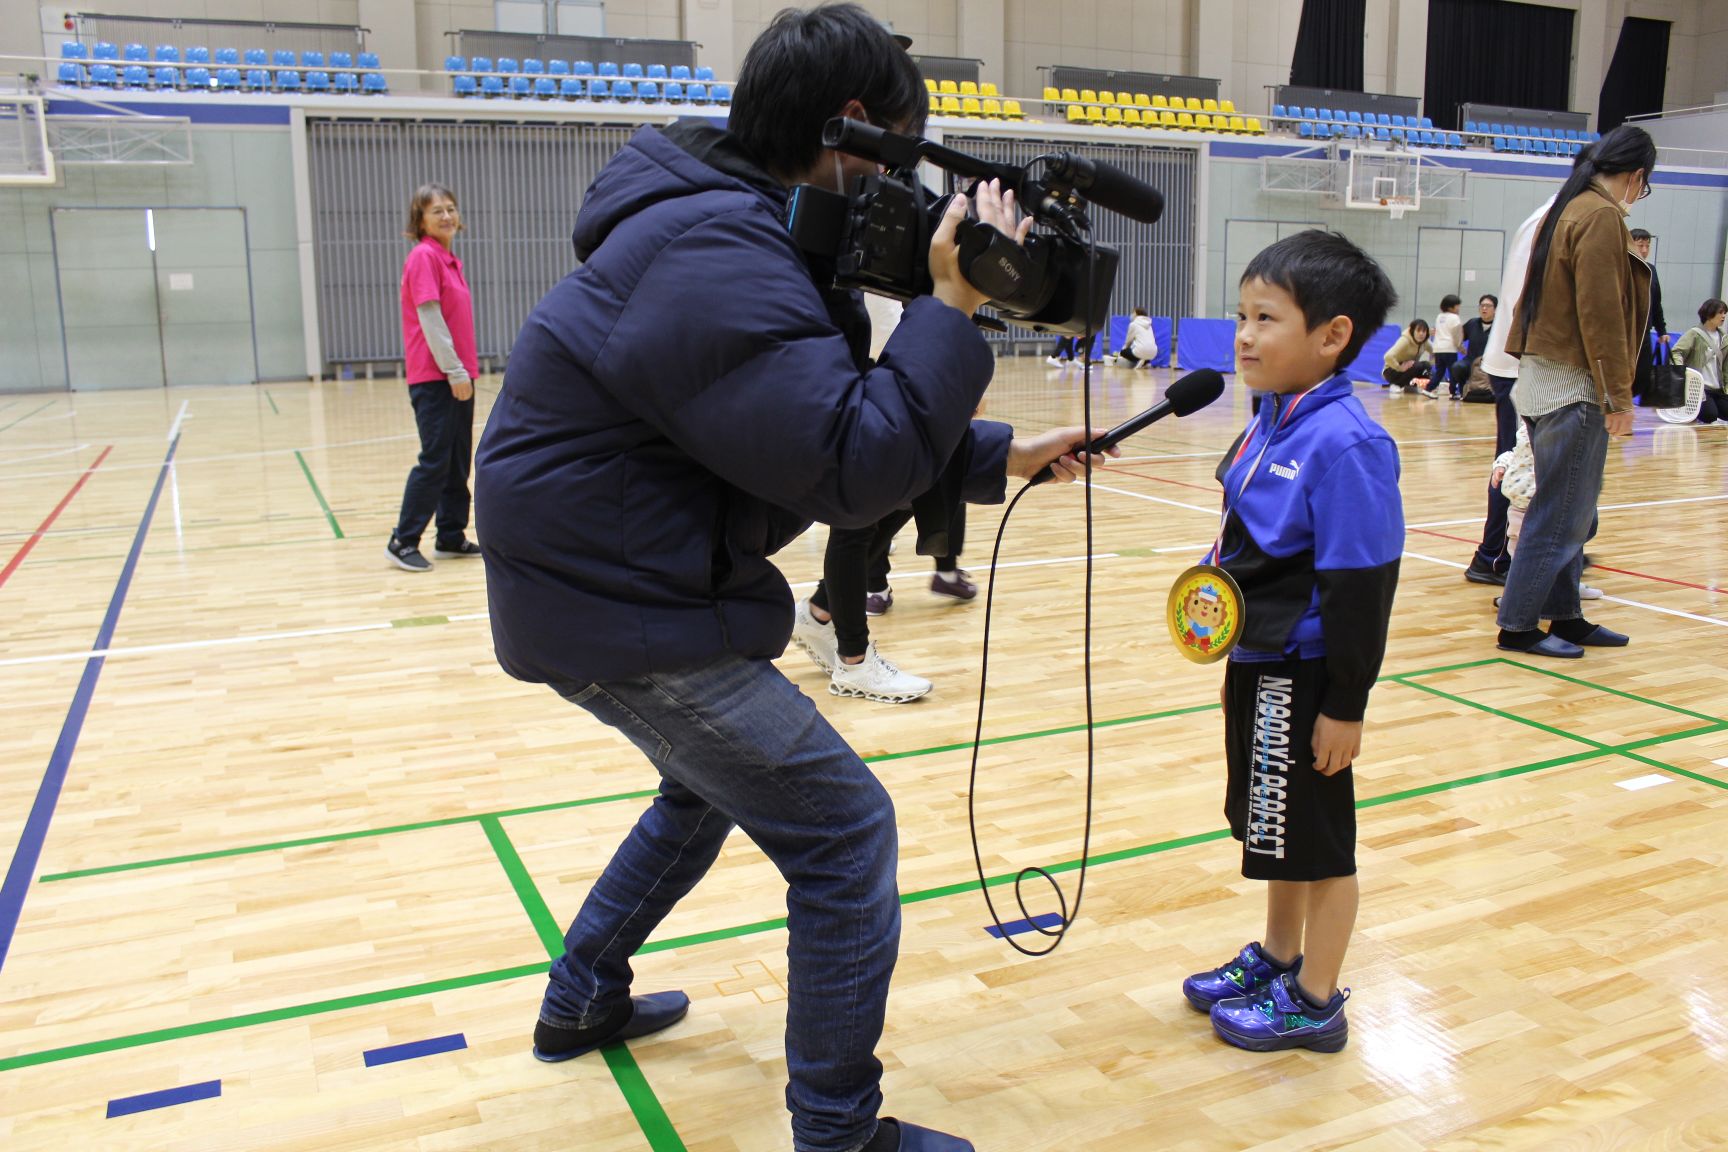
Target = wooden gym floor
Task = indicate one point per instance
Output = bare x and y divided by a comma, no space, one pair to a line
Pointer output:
304,817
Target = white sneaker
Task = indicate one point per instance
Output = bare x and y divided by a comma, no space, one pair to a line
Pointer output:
815,638
1110,359
1053,362
1585,592
876,679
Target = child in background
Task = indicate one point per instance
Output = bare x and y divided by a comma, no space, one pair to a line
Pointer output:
1139,346
1448,339
1514,475
1407,363
1313,540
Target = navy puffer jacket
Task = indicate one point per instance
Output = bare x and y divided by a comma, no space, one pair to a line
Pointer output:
683,405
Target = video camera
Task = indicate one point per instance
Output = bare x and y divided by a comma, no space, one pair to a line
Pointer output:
878,236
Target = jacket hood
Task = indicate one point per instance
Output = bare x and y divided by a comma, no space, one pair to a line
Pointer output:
684,158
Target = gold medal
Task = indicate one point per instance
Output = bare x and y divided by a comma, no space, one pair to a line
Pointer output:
1205,613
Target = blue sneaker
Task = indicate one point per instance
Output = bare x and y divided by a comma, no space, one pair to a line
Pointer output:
1243,976
1278,1017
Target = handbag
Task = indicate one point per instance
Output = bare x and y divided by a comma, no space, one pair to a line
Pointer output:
1477,389
1667,387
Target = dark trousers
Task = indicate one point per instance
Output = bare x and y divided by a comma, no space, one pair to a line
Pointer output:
439,480
1443,362
1404,376
882,565
1067,347
1491,553
852,554
1713,407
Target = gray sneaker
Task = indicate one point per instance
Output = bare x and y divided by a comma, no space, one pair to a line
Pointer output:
815,638
407,557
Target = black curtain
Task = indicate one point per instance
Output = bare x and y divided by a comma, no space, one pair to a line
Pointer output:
1638,76
1492,52
1329,45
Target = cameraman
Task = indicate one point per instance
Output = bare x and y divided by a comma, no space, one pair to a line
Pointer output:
633,489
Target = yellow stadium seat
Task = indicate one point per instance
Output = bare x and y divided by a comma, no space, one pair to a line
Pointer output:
949,88
993,108
1160,102
1237,124
1131,116
1087,96
1094,114
1203,121
968,88
950,105
1051,95
1167,120
1124,97
985,88
935,104
1071,95
929,84
1106,97
1184,121
1209,104
1226,105
1112,115
969,106
1011,109
1141,100
1076,114
1254,128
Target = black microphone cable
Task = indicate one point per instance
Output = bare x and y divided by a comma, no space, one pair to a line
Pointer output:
1060,931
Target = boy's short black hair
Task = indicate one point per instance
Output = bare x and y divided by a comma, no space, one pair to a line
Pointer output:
1328,276
803,69
1640,234
1449,302
1490,297
1710,308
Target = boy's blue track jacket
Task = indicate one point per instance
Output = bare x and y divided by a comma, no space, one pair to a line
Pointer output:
684,404
1315,540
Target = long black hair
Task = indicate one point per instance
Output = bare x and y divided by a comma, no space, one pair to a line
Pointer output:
1624,149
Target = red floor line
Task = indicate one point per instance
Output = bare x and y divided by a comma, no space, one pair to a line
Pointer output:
1111,468
12,564
1596,567
1443,536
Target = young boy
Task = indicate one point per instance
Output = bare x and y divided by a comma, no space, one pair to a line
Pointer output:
1448,339
1312,534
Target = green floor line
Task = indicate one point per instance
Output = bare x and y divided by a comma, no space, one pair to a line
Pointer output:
26,416
316,491
1690,775
272,400
1553,675
644,1105
363,999
1526,721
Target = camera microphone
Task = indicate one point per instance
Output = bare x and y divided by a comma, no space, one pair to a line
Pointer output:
1106,186
1185,397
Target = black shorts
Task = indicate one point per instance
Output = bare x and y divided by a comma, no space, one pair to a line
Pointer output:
1294,823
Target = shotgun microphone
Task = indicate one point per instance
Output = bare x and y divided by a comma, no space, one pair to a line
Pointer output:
1185,397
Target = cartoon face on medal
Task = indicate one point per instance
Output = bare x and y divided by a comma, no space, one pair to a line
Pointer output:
1205,613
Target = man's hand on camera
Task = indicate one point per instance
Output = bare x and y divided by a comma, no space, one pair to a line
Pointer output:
995,208
1028,454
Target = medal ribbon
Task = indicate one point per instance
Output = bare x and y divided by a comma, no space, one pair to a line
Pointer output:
1218,545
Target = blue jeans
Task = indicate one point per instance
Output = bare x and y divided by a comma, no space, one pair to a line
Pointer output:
1571,448
735,742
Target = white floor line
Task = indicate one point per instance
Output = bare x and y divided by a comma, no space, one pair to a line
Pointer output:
1602,508
45,456
182,462
186,645
1010,564
179,419
1155,499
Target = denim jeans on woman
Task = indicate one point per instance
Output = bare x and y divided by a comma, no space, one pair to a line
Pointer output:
735,742
1571,449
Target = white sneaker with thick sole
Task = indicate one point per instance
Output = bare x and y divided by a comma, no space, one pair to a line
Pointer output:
876,679
815,638
1586,592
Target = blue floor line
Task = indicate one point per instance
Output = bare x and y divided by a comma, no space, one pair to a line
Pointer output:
167,1098
1015,927
35,834
415,1049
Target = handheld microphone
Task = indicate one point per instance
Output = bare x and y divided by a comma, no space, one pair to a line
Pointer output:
1185,397
1106,185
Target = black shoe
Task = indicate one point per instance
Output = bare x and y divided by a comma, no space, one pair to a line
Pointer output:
1535,642
1478,575
1588,635
407,557
455,551
647,1014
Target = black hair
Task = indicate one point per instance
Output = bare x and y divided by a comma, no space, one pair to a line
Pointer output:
1624,149
1640,234
1410,330
1449,302
1328,276
1490,297
802,70
1140,312
1709,308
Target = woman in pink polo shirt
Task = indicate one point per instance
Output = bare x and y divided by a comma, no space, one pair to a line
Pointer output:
438,351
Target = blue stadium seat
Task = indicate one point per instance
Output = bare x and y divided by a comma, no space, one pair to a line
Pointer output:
696,93
633,71
674,92
1305,130
570,88
1355,116
581,68
1470,126
228,57
312,60
492,86
1453,140
481,64
455,64
656,71
1324,114
558,67
165,77
282,58
533,67
648,92
104,76
1278,111
705,74
197,79
369,60
1385,121
71,75
599,90
373,84
521,86
545,88
1384,135
507,65
1424,122
623,90
105,51
1397,120
341,60
257,80
135,76
198,54
228,79
1353,131
318,80
1308,113
72,50
347,84
287,80
257,58
167,54
608,69
722,93
1323,131
136,54
680,71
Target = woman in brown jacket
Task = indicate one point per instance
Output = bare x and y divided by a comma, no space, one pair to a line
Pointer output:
1576,332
